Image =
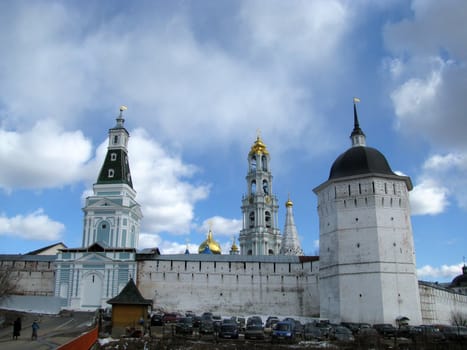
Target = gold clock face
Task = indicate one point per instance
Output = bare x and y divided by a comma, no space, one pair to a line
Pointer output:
267,199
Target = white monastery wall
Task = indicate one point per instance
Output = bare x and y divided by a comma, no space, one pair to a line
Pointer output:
231,285
438,304
32,274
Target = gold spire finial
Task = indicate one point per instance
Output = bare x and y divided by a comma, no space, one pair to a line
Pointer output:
289,203
122,108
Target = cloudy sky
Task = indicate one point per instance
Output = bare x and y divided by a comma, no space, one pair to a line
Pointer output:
200,78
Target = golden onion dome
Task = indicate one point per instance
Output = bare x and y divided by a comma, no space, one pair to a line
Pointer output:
210,243
234,247
289,203
258,147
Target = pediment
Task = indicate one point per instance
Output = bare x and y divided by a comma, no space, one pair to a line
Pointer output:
103,203
94,257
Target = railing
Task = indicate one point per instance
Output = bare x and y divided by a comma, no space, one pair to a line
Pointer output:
83,342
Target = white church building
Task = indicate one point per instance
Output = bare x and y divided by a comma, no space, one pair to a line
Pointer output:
365,272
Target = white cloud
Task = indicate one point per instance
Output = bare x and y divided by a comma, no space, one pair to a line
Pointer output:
415,97
165,247
445,163
309,31
445,272
221,226
167,189
33,226
428,198
431,75
68,63
442,179
44,157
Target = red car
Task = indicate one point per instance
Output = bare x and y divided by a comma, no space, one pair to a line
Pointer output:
171,317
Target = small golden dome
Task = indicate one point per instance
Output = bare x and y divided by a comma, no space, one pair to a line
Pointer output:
210,243
289,203
258,147
234,247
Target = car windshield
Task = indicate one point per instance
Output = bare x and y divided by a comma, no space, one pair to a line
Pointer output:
282,327
343,330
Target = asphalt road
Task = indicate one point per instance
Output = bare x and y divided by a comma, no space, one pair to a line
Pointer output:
55,330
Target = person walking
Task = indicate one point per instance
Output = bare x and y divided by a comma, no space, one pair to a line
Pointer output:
35,327
17,328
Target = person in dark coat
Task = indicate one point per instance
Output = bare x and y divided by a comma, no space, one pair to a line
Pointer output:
17,328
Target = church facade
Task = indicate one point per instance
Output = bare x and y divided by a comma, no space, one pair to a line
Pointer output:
366,270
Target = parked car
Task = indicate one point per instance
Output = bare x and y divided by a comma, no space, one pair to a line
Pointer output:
432,333
353,326
171,317
311,332
228,329
283,331
241,324
385,329
325,328
454,333
157,320
271,321
184,325
341,333
216,320
206,326
255,320
254,331
298,329
410,332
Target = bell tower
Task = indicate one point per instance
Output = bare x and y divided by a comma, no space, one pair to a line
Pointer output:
260,234
112,216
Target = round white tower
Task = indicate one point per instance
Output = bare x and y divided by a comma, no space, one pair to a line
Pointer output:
367,259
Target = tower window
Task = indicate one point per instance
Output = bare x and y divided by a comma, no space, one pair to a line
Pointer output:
252,219
267,218
265,187
253,163
253,187
111,173
264,163
115,139
113,157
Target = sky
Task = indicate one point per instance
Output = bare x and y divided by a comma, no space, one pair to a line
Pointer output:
201,79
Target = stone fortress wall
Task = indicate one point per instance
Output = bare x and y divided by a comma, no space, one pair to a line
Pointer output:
32,274
439,304
231,284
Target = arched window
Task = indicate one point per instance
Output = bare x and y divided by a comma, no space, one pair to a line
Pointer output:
264,162
267,218
252,219
265,187
271,252
253,163
103,233
253,186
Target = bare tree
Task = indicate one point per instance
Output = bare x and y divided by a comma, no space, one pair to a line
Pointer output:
7,282
458,318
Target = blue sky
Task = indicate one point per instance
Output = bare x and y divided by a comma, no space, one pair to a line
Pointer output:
200,78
